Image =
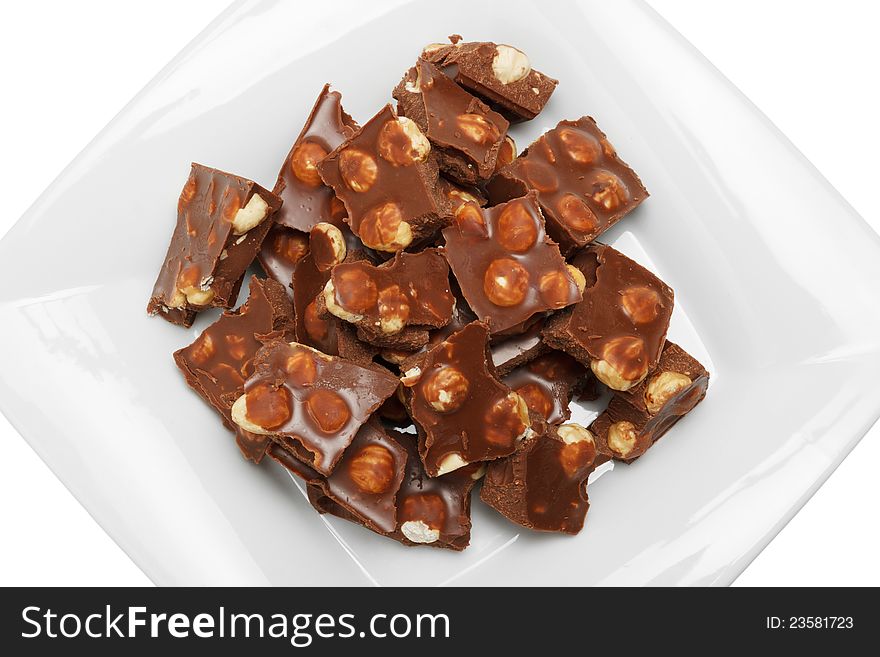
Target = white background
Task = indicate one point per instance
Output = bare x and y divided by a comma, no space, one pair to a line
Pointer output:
68,67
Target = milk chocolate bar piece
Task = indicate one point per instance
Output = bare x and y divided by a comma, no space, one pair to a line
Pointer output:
385,174
411,291
452,195
463,413
637,418
307,200
543,485
507,268
499,74
281,250
433,511
218,362
547,384
619,327
583,187
465,133
312,403
222,220
328,334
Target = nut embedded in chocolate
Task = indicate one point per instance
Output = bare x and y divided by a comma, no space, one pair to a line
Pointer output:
222,220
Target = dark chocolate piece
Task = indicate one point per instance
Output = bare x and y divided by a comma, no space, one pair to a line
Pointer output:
222,220
500,74
464,132
543,485
307,200
548,384
464,414
385,175
217,364
620,326
507,268
281,250
637,418
582,186
410,292
312,403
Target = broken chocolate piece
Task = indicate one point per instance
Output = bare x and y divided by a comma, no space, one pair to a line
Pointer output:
500,74
385,175
543,485
507,268
638,418
410,292
222,220
583,187
307,200
312,403
217,364
508,353
465,133
619,328
547,384
281,250
464,414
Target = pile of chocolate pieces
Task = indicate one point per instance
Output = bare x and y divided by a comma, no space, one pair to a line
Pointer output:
433,302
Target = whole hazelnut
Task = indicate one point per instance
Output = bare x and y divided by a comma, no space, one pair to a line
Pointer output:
510,64
623,439
663,387
477,128
446,389
357,169
641,304
558,289
507,420
383,228
576,214
393,308
517,228
623,364
401,143
470,221
304,162
355,289
372,469
328,410
581,147
609,190
506,282
537,399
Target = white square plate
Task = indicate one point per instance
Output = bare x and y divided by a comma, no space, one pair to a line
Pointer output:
777,275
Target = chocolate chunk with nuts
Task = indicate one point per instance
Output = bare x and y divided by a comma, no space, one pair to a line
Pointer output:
583,187
547,384
543,485
500,74
507,268
465,133
311,402
385,175
464,414
637,418
311,273
307,200
281,250
508,353
619,327
222,220
217,364
410,291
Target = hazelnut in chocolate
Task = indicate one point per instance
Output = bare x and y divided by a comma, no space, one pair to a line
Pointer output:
281,250
464,414
222,220
543,485
548,383
312,403
583,187
382,301
619,327
465,133
307,200
217,364
507,268
499,74
637,418
385,175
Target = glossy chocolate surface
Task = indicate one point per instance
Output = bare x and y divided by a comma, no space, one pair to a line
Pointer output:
281,250
507,267
619,327
583,187
217,364
543,485
470,64
465,132
307,200
386,181
315,400
205,256
547,384
463,412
